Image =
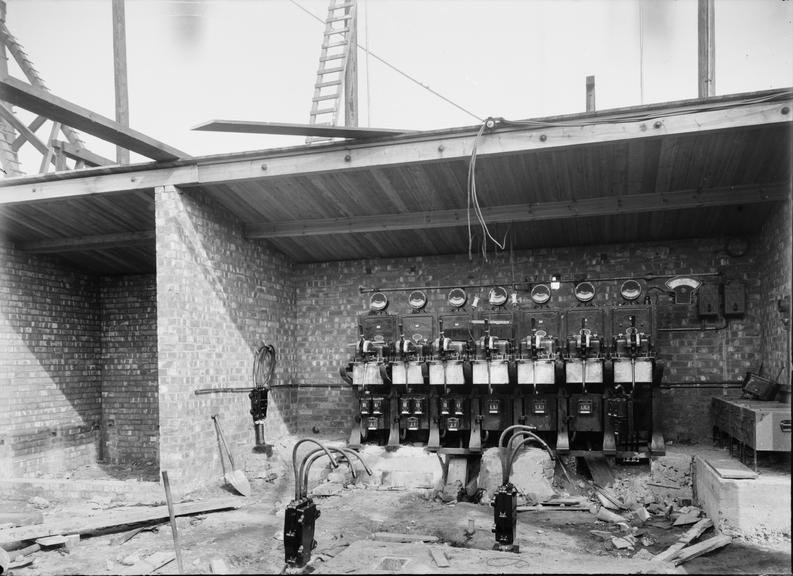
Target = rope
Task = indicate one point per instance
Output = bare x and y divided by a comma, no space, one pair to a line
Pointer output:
263,366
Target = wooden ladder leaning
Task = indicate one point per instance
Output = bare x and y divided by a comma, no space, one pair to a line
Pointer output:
333,59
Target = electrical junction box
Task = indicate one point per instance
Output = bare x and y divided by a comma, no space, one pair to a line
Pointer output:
708,296
734,299
299,521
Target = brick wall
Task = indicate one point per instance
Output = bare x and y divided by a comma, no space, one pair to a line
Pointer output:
130,414
50,379
328,296
218,297
774,271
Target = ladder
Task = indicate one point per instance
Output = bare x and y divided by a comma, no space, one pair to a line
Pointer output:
339,29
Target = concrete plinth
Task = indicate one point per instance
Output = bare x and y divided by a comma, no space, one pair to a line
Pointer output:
754,509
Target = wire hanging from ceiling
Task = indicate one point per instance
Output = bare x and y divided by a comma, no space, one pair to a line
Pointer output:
473,199
394,68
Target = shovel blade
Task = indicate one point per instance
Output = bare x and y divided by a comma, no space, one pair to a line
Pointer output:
237,480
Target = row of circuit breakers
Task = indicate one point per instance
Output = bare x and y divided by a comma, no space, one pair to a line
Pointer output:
584,378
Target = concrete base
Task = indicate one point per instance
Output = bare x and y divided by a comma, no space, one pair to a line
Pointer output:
756,509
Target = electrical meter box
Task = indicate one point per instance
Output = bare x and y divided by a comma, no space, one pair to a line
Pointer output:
734,299
708,300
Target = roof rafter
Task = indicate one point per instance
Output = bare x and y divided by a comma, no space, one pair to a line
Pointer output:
96,242
626,204
46,104
426,147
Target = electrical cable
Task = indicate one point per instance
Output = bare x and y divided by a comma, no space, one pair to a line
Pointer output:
263,366
473,199
394,68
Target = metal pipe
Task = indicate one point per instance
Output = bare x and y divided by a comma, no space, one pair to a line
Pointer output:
502,448
514,285
694,328
316,454
510,429
294,459
308,461
532,438
201,391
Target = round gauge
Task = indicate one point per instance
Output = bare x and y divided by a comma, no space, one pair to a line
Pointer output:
457,298
584,291
497,296
417,299
540,294
378,302
631,290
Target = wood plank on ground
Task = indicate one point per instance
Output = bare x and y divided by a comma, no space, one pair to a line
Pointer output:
692,533
439,557
112,520
599,469
149,564
397,537
703,547
731,469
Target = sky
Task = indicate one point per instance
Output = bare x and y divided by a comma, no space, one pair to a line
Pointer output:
190,61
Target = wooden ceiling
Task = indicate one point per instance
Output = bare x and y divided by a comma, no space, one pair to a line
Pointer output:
705,168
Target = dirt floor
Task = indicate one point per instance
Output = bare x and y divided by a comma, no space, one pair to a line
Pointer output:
250,540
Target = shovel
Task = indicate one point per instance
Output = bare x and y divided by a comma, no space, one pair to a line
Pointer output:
234,478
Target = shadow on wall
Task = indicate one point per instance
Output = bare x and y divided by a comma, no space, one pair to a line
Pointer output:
219,297
49,371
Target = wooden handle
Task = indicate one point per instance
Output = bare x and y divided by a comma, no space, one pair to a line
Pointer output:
173,521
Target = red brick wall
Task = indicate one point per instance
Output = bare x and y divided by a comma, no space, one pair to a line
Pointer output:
50,379
130,412
218,297
328,298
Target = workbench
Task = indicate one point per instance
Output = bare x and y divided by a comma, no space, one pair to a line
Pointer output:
763,426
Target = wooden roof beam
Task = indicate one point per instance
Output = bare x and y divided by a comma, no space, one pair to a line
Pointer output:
631,204
83,243
41,102
401,150
77,153
245,127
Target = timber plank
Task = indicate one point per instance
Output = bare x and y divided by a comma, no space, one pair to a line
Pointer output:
704,547
600,469
400,538
41,102
113,520
692,533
